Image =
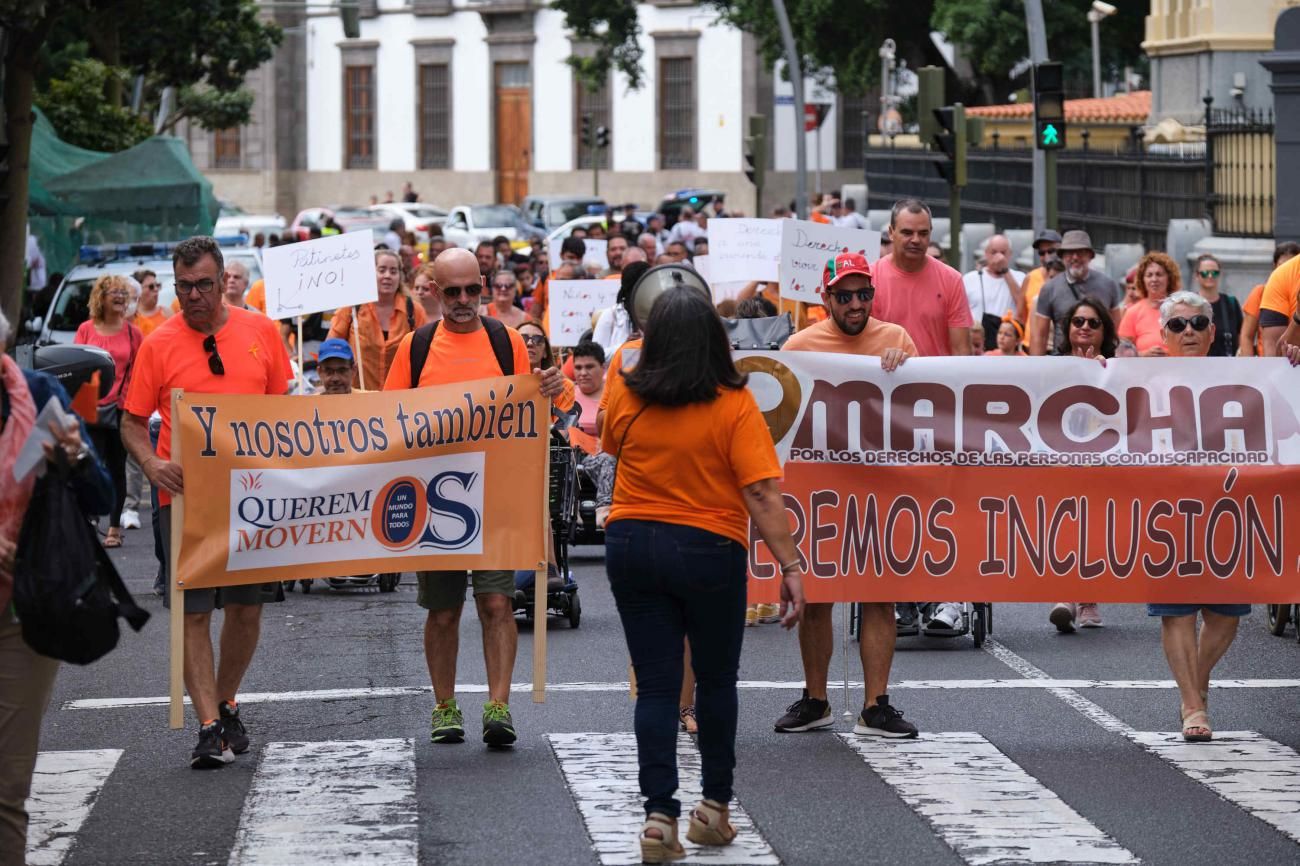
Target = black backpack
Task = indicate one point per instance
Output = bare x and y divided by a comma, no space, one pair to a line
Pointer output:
498,336
67,592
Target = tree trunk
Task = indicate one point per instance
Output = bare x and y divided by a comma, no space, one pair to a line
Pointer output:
19,83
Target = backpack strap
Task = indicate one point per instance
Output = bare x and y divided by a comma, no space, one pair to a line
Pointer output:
410,313
498,336
420,344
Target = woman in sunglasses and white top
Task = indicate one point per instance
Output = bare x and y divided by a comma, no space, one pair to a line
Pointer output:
1226,309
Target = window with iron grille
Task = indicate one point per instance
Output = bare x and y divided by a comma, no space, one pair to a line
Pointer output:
435,115
676,112
226,148
596,104
851,143
359,116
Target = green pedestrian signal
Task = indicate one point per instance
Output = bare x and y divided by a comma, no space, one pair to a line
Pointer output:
1050,136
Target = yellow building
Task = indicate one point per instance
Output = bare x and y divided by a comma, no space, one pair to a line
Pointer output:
1111,123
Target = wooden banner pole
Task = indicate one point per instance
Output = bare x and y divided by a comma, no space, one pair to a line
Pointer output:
302,371
540,581
176,703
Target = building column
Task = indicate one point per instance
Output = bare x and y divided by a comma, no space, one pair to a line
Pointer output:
1284,64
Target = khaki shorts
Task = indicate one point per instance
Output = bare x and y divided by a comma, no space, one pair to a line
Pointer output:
207,600
445,590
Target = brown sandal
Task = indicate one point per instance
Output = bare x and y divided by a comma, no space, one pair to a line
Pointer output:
665,848
687,716
710,824
113,538
1195,731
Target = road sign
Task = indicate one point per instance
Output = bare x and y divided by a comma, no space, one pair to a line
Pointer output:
814,114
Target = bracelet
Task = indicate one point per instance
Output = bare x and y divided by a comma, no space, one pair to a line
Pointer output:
788,567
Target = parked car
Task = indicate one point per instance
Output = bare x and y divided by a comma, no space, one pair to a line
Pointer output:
582,222
70,305
420,218
234,220
349,218
466,225
552,211
696,197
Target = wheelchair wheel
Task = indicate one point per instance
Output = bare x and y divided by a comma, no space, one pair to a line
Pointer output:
306,585
1278,616
575,611
978,624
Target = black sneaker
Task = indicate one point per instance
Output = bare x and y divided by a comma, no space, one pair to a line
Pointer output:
498,727
212,752
805,714
236,734
906,619
882,720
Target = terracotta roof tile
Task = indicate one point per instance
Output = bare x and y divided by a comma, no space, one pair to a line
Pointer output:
1132,107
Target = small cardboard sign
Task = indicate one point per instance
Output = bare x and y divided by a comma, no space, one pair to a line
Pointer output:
321,274
805,248
744,250
573,303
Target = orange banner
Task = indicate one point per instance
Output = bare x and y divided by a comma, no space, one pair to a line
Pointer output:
281,488
1035,480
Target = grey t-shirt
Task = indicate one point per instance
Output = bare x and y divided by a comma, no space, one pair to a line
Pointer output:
1059,294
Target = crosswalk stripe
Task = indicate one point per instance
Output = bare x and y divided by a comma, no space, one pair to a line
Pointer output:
983,805
601,772
321,803
1243,767
64,788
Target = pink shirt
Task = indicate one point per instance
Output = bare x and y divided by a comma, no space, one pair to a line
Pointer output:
590,405
1141,324
122,346
926,304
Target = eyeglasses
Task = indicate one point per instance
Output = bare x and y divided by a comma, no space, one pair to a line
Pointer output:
1080,321
214,357
184,287
503,287
1178,324
1044,252
1209,274
863,295
471,291
533,339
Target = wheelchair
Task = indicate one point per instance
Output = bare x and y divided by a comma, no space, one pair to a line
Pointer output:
561,598
976,621
1279,615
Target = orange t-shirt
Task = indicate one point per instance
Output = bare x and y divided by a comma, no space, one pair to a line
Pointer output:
255,297
1033,285
455,357
687,465
1280,290
148,324
632,347
377,351
1141,324
173,357
876,337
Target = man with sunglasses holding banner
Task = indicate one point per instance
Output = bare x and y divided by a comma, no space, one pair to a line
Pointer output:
848,293
210,348
463,347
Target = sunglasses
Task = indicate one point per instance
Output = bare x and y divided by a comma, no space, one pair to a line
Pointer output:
1208,274
533,339
863,295
184,287
1178,324
1044,252
214,357
471,291
1080,321
503,287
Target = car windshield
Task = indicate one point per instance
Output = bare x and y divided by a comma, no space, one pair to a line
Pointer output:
71,305
561,212
247,258
426,211
494,215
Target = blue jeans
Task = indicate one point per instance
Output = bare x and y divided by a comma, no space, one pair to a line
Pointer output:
672,582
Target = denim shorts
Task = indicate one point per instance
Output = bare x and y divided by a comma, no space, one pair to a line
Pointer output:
1191,609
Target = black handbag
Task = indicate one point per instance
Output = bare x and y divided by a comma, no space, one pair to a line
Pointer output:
768,333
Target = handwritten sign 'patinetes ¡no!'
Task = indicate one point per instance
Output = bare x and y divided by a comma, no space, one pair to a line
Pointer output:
318,275
805,247
574,303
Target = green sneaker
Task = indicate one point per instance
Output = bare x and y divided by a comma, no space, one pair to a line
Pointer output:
448,723
498,728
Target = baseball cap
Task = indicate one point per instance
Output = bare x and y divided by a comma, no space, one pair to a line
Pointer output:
1046,236
335,347
843,265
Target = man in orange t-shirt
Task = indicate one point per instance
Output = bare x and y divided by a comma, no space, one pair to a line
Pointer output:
209,348
461,351
1277,303
149,314
848,294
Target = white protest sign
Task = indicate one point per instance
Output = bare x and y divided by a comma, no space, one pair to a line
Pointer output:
593,261
744,250
573,303
722,291
805,247
318,275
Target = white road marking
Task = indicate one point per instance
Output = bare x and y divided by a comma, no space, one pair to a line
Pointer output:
331,802
64,788
1038,682
601,772
982,804
1031,673
1242,767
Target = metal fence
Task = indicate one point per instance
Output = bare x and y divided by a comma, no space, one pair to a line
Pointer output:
1239,163
1121,197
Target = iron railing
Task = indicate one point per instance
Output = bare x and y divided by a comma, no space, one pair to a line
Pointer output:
1240,171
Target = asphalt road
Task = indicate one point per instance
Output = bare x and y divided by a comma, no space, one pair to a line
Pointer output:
1004,771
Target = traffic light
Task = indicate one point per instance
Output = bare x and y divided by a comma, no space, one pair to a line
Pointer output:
950,138
350,13
586,130
602,137
756,150
1049,106
929,96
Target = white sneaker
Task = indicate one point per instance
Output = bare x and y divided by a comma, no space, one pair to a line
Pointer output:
946,619
1089,615
130,519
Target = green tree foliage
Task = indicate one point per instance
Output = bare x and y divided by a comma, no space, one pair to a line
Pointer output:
76,106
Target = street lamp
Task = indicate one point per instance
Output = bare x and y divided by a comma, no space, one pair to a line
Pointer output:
1098,11
888,51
